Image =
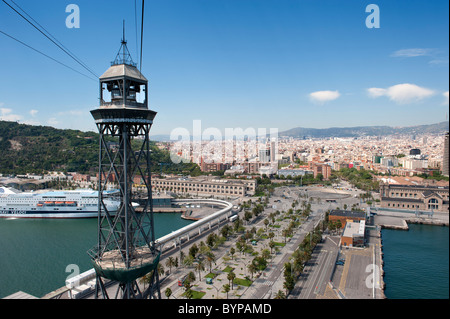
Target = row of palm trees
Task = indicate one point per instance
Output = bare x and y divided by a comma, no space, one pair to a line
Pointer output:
294,268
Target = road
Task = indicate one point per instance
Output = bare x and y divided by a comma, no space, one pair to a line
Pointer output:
318,270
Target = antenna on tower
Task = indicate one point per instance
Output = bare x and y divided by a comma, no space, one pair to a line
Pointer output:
123,56
123,39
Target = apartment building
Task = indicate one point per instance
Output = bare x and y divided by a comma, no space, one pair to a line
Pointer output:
205,186
320,168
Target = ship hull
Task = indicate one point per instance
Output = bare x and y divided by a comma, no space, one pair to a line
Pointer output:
54,204
48,214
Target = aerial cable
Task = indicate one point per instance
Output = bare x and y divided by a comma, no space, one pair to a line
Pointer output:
53,37
136,29
59,46
142,35
30,47
84,65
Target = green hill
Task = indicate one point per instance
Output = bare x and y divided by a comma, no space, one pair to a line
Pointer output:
39,149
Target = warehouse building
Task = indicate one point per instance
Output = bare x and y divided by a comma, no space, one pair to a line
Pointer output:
345,216
353,234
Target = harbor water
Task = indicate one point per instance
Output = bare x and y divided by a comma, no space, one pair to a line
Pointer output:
37,255
416,262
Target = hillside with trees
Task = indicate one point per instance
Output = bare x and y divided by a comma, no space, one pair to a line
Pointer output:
40,149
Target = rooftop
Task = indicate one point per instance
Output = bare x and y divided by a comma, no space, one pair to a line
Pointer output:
121,70
348,213
354,229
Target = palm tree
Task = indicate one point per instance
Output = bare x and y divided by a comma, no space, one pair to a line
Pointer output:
231,275
160,270
265,254
188,261
191,276
252,268
187,287
226,289
210,258
146,279
204,249
280,295
170,263
285,233
232,251
271,245
168,293
199,267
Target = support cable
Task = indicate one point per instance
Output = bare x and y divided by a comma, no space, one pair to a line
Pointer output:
53,41
142,35
36,50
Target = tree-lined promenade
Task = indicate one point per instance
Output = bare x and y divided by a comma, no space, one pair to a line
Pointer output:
235,255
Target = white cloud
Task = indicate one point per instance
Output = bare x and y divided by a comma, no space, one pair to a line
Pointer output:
7,115
376,92
410,53
439,62
33,112
402,93
324,96
445,94
52,121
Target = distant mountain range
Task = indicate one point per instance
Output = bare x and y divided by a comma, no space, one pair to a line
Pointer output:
358,131
301,132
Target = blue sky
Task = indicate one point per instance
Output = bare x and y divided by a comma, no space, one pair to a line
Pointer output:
236,63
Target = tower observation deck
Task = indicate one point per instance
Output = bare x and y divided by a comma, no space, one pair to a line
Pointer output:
125,249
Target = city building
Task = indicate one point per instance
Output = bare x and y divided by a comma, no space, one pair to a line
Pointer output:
264,156
353,234
268,170
320,168
293,172
235,170
414,197
213,167
203,186
445,164
345,216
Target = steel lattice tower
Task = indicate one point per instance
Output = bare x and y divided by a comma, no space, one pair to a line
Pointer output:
125,250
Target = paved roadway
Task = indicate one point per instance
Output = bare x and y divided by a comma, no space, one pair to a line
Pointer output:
272,279
318,271
263,287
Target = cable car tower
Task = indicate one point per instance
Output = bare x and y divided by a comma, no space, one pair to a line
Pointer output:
125,250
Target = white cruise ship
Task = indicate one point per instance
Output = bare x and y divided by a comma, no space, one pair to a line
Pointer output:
52,204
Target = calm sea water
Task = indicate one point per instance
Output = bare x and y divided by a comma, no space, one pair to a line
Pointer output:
34,254
416,262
